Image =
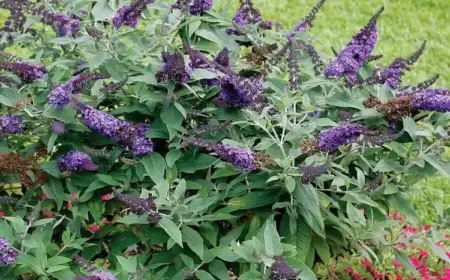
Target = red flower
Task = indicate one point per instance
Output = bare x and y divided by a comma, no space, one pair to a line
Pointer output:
398,277
366,263
44,196
427,227
94,228
68,204
105,220
106,197
348,269
423,253
2,214
74,195
396,264
48,213
415,261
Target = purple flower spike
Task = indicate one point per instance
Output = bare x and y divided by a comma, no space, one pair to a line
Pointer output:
10,125
196,7
429,91
174,68
238,92
76,161
306,23
353,56
8,255
62,94
128,15
58,127
246,14
281,270
242,158
142,146
27,72
104,276
430,102
140,206
331,139
64,24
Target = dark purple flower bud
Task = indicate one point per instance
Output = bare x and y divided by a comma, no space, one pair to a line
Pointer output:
174,68
8,255
210,128
76,161
223,58
344,115
331,139
196,7
432,102
128,14
242,158
58,127
246,14
293,69
265,24
380,139
7,199
238,92
429,92
104,276
353,56
62,94
140,206
375,183
306,23
310,172
281,270
95,32
114,87
27,72
10,125
85,264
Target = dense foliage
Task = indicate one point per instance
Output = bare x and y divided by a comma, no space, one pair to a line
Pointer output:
155,140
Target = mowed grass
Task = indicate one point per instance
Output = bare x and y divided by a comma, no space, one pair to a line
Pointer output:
401,28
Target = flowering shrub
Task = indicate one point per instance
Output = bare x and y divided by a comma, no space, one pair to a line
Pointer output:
156,140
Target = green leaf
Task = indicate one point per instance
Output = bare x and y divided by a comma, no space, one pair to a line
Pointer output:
108,179
219,269
97,60
400,202
302,238
322,249
306,272
250,275
434,160
57,260
172,230
66,114
203,275
51,167
272,243
405,262
439,251
134,219
345,100
155,166
193,240
102,10
388,165
410,127
17,223
307,201
251,200
128,264
9,96
290,184
172,156
201,74
55,191
210,231
189,163
117,69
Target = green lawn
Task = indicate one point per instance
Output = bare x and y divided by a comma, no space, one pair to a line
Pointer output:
402,28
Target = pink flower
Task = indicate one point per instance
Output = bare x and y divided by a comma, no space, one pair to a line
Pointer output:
106,197
398,277
74,195
48,213
366,263
44,196
440,244
448,254
415,261
423,271
348,269
427,227
396,264
423,253
2,214
105,220
94,228
409,229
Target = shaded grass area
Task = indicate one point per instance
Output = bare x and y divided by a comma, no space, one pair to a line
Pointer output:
402,27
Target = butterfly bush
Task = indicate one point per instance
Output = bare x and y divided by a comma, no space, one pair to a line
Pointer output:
173,140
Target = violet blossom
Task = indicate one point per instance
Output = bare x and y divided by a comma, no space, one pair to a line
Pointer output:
58,127
8,254
174,68
27,72
353,56
140,206
64,23
196,7
432,102
242,158
128,14
331,139
238,92
76,161
306,23
281,270
11,124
